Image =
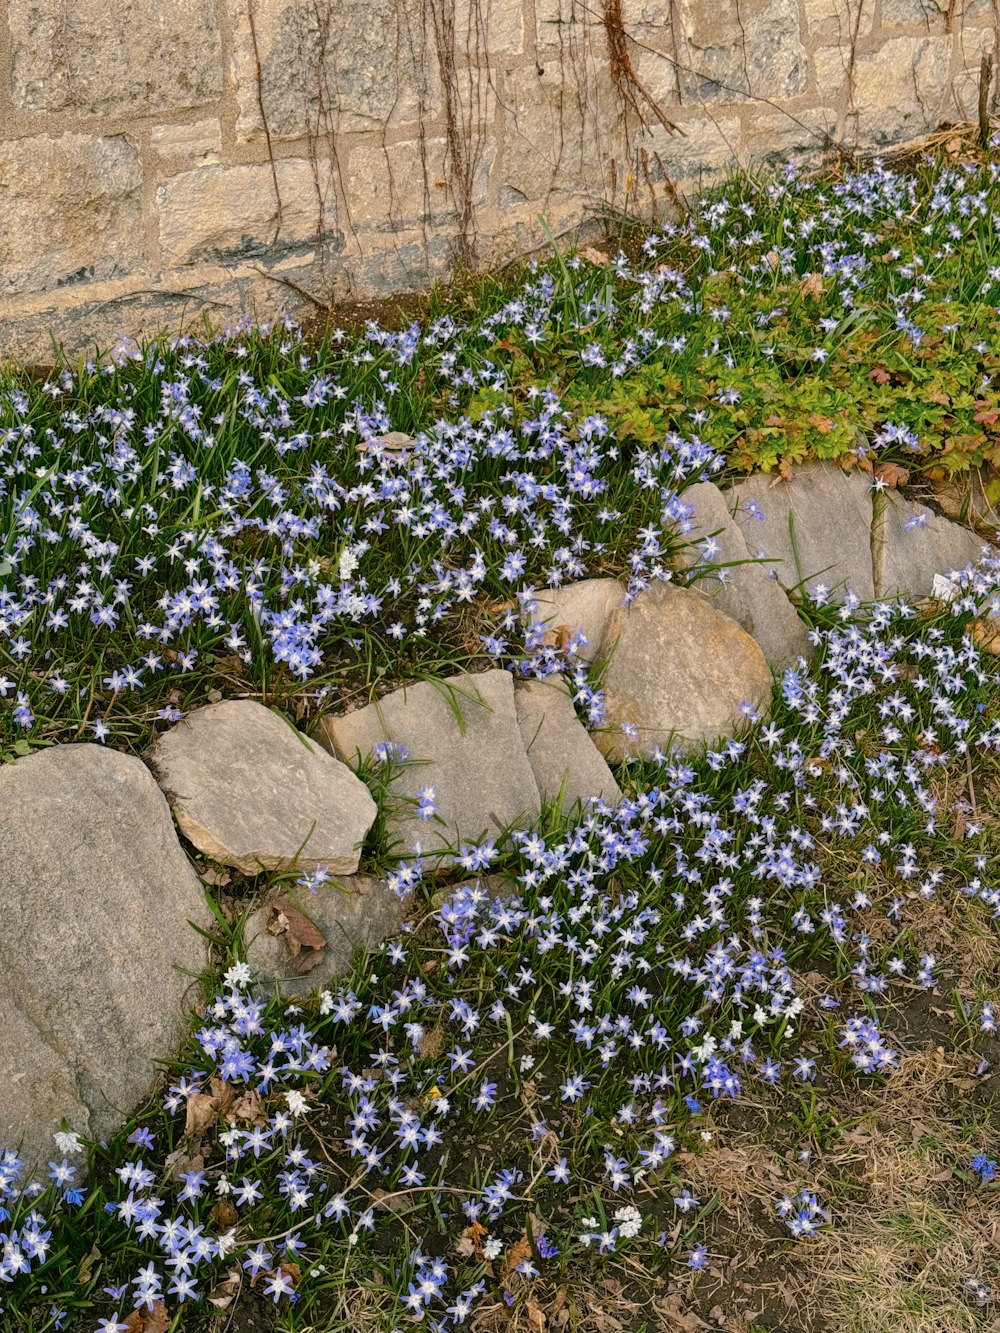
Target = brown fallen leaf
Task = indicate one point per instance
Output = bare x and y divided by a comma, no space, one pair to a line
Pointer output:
986,635
670,1308
224,1293
892,474
249,1106
204,1108
812,285
155,1320
180,1160
223,1214
594,256
517,1253
536,1317
83,1275
298,930
213,877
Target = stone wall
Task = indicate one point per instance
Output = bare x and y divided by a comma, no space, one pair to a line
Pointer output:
164,158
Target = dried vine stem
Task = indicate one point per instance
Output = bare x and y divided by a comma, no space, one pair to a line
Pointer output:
460,154
631,89
263,117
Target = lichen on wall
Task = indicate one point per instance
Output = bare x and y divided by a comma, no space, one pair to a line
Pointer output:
161,158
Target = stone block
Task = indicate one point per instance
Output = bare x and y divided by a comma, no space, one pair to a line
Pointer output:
562,755
489,26
114,57
738,51
815,528
831,22
96,898
679,675
331,68
461,738
927,12
557,142
222,212
252,792
196,144
71,211
399,185
352,913
901,89
707,148
775,136
747,592
592,606
910,545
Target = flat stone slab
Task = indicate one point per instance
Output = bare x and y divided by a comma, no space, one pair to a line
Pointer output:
250,791
462,739
679,674
592,605
749,593
96,897
355,912
817,527
911,545
562,756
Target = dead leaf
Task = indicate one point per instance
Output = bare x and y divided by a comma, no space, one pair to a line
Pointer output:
217,878
953,146
517,1253
223,1294
892,474
86,1267
395,1201
204,1108
223,1214
298,930
811,285
155,1320
464,1247
249,1106
536,1318
879,374
670,1308
291,1270
181,1160
986,635
594,256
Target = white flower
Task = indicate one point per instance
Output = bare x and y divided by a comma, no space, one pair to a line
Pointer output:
236,976
296,1103
227,1242
492,1248
67,1143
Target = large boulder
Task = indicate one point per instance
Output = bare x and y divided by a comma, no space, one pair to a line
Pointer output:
250,791
299,941
461,737
749,592
814,528
96,899
560,751
679,674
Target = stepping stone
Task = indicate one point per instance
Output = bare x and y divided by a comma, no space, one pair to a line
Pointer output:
679,673
250,791
817,527
96,899
559,747
592,605
462,738
907,558
749,593
355,912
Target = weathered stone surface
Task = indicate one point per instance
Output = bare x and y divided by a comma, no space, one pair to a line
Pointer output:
901,89
479,770
592,605
816,526
773,135
679,673
71,211
695,158
198,143
754,49
394,185
557,144
914,11
252,792
558,747
833,21
356,912
749,593
218,212
906,558
95,897
114,56
331,68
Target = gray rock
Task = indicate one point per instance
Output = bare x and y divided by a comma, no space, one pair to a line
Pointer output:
906,559
251,791
749,593
96,897
356,912
462,738
558,746
731,52
592,605
817,527
679,673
